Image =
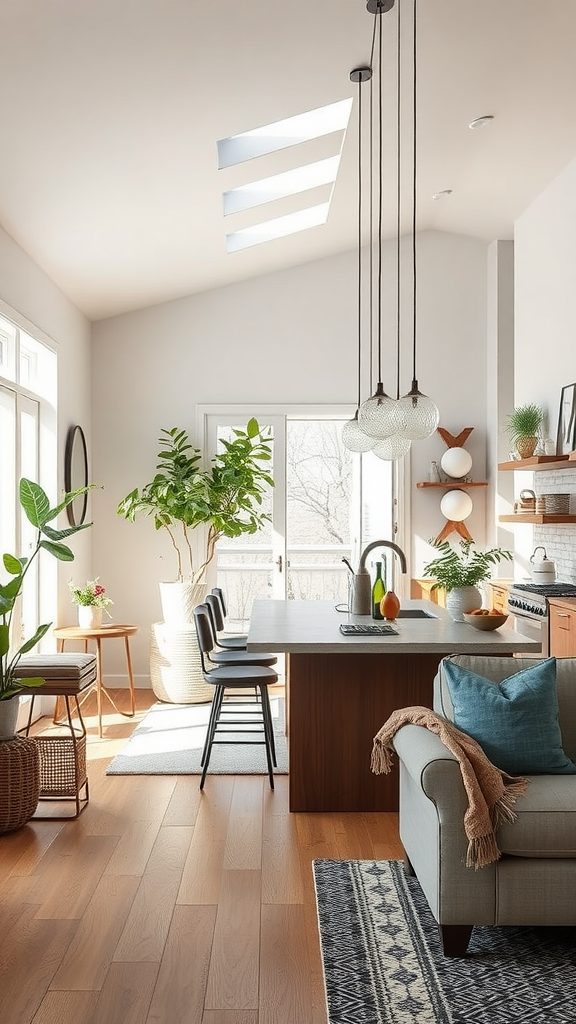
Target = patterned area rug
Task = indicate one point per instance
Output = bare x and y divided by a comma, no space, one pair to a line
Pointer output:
383,961
169,741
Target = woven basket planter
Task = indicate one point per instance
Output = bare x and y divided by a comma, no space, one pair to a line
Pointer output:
19,782
175,666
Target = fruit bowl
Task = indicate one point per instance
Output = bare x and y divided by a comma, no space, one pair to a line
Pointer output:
485,619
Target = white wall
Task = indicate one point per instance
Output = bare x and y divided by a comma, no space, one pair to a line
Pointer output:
289,337
25,288
545,296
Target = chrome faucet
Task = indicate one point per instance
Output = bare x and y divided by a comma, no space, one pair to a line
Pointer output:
362,591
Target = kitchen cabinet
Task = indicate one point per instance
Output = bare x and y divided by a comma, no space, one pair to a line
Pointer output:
421,590
562,611
497,594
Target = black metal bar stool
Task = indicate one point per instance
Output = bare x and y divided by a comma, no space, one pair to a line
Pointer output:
232,677
217,605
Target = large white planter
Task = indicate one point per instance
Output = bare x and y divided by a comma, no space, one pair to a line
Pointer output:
9,717
462,599
175,666
179,600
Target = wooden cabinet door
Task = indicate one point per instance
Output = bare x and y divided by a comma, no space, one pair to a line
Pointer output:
562,630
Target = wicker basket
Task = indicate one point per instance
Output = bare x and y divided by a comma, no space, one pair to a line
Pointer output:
556,504
19,782
62,765
175,666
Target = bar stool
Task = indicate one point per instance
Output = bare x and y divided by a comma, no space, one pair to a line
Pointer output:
233,656
231,678
217,606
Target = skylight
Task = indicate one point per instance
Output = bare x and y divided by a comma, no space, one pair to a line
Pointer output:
280,134
278,228
260,142
289,183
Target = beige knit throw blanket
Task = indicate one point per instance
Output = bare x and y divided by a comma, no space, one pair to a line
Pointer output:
491,792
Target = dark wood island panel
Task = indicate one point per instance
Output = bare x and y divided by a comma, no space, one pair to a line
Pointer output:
337,704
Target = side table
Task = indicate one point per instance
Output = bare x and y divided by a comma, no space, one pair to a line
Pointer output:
64,633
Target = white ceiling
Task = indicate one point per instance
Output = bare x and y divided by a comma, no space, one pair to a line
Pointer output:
110,111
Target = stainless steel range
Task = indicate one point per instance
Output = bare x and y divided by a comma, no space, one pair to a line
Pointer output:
528,605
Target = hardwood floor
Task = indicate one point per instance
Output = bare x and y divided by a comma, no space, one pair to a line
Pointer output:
164,905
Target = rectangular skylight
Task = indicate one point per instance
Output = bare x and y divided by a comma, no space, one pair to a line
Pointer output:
280,134
300,179
278,228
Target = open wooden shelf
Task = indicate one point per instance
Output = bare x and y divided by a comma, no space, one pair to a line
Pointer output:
532,517
456,484
539,462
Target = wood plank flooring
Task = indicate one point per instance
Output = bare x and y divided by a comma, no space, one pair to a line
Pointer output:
164,905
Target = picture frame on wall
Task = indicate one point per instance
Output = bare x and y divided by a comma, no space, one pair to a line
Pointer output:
566,436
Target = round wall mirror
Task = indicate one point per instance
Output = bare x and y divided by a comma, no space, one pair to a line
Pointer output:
76,474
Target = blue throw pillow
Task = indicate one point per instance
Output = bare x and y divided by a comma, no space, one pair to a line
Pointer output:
515,721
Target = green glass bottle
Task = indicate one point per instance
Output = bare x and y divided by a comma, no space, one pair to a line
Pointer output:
378,591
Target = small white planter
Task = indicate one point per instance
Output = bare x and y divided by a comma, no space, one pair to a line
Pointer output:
462,599
89,616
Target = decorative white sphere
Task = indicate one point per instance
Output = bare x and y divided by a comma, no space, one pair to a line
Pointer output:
456,462
456,506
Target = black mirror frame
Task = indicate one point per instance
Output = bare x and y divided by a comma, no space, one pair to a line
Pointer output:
76,510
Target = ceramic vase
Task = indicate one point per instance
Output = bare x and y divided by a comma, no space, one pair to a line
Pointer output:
89,616
462,599
8,717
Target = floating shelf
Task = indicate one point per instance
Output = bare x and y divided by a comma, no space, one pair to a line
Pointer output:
453,484
539,462
532,517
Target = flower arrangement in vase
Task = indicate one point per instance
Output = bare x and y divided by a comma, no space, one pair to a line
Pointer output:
91,600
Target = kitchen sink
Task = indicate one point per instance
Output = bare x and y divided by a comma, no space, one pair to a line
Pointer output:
414,613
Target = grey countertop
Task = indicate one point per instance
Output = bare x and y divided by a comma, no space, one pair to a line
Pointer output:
309,627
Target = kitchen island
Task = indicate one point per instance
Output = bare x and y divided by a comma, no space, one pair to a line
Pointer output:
341,689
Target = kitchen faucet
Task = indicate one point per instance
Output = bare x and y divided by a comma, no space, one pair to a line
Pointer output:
362,590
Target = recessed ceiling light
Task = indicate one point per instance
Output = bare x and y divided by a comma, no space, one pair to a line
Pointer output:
481,122
442,195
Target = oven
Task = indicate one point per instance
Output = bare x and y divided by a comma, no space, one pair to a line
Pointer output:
527,606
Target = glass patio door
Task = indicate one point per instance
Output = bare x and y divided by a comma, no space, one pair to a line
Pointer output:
326,505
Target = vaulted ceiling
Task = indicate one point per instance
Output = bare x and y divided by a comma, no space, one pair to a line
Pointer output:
110,113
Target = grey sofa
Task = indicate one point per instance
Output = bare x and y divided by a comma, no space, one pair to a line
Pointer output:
534,882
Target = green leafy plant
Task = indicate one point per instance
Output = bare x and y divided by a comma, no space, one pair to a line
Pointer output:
36,506
525,421
466,568
226,497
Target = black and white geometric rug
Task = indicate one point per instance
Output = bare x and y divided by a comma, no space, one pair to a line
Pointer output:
169,741
383,960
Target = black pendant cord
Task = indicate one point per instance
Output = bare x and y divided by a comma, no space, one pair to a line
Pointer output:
398,170
414,380
359,239
380,190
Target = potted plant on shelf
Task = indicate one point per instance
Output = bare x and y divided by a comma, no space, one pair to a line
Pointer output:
524,427
459,574
36,506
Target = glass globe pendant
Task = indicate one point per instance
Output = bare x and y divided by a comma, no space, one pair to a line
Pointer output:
354,438
379,416
392,448
419,414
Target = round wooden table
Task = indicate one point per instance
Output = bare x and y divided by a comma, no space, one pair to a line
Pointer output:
64,633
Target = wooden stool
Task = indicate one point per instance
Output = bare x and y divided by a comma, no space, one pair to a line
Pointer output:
63,772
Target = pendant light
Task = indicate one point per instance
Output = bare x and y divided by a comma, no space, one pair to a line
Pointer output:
379,415
353,437
396,446
419,413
